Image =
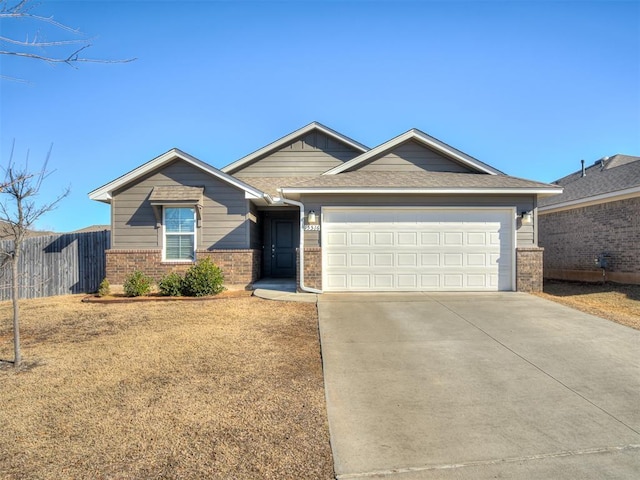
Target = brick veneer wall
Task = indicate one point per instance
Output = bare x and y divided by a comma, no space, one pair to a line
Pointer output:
574,238
529,269
240,267
312,267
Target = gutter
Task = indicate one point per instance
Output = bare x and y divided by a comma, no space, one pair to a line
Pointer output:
300,205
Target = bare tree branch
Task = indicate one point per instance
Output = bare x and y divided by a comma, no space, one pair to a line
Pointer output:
38,44
34,48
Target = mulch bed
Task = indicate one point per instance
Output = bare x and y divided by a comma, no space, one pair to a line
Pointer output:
156,297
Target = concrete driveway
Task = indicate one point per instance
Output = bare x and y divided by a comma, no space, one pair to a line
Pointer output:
478,386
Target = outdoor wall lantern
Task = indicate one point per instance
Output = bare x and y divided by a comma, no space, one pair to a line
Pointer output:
311,218
527,218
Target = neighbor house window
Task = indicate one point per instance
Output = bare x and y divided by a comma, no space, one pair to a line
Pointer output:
179,233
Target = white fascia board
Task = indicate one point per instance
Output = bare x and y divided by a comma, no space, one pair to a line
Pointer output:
594,200
414,134
103,194
273,146
433,191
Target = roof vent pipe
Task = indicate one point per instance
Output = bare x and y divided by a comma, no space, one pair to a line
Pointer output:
584,174
603,164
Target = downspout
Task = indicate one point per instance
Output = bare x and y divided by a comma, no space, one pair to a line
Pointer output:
300,205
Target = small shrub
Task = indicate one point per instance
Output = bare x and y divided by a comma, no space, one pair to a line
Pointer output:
137,284
203,278
171,285
104,288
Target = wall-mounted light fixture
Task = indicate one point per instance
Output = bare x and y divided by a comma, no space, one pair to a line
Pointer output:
527,218
311,218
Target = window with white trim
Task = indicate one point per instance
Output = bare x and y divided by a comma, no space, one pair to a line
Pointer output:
179,233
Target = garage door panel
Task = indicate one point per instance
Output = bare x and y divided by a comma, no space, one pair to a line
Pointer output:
407,260
337,260
382,281
383,239
477,280
360,260
476,238
361,281
407,238
452,280
382,260
336,281
359,239
428,239
477,260
407,281
430,259
453,238
429,281
337,239
452,259
418,249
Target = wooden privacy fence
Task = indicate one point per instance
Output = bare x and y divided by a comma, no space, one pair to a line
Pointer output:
57,264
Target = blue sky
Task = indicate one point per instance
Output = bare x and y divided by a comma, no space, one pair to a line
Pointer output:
528,87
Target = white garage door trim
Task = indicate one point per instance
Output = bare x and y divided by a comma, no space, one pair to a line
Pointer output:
357,257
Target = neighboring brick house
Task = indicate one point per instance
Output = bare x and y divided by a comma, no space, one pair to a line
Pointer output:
412,214
596,218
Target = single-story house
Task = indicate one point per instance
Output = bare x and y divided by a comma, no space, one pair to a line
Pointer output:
412,214
591,232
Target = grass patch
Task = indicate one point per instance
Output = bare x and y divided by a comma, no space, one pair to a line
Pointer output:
224,389
617,302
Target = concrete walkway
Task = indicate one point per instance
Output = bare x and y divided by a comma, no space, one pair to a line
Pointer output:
478,386
282,290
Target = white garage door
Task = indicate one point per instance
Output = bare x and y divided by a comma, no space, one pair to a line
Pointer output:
417,249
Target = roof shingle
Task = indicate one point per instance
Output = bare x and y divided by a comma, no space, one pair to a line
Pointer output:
608,175
410,180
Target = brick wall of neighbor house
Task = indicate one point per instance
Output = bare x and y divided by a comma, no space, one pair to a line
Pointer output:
312,267
529,269
240,267
574,238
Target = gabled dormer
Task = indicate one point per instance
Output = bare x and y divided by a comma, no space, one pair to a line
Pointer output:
310,150
414,151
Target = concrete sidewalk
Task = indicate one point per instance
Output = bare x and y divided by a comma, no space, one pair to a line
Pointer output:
281,290
478,386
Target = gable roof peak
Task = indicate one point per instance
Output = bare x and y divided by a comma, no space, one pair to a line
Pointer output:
427,140
281,142
104,193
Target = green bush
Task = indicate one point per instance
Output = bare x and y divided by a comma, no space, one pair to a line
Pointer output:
203,278
171,285
104,288
137,284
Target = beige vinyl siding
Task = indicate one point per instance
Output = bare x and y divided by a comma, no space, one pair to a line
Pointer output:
224,215
254,230
525,234
412,156
312,154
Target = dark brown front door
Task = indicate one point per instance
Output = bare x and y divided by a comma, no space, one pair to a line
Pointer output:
283,247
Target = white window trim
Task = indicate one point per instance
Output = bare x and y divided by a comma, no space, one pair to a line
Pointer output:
164,233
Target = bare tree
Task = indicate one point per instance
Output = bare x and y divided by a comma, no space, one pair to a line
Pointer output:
19,210
36,46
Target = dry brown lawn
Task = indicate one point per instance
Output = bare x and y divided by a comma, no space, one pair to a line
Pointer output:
616,302
230,388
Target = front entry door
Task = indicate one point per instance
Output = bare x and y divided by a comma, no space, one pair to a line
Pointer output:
283,247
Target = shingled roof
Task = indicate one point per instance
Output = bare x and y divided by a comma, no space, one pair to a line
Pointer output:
362,181
606,176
